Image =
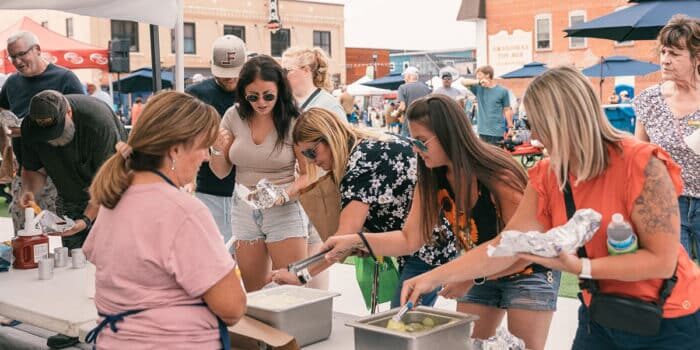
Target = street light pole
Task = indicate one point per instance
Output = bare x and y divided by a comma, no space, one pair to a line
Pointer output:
374,64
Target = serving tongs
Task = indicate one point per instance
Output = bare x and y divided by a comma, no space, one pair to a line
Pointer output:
304,263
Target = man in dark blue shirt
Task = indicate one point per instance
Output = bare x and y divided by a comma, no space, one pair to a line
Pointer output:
34,74
228,57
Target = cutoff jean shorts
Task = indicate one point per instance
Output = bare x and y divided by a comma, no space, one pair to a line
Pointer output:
535,292
269,225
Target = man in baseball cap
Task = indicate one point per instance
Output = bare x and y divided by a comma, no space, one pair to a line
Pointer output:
228,55
69,136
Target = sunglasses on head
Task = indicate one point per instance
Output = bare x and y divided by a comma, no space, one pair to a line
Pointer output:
311,152
267,97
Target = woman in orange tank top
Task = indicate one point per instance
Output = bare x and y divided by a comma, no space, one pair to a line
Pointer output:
609,172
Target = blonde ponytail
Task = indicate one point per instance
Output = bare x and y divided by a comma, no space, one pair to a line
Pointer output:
111,182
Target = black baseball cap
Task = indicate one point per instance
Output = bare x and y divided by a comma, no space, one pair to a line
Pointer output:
47,117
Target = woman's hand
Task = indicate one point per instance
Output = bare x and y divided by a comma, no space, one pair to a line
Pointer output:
415,287
223,141
342,246
283,276
456,290
564,262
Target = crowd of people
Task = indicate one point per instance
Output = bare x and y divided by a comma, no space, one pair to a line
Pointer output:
164,217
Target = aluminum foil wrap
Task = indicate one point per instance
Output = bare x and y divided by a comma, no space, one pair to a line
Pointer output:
52,223
566,238
9,119
264,196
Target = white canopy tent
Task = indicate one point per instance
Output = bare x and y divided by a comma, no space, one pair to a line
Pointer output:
357,89
166,13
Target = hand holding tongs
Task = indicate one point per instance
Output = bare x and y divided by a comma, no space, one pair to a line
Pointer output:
304,263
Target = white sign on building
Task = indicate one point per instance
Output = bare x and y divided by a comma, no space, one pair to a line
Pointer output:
508,52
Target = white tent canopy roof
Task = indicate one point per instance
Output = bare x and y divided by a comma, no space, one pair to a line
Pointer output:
357,89
161,12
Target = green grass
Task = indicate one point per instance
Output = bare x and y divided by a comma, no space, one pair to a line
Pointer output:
567,289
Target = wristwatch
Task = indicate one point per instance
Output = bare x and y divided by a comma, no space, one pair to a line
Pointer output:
585,269
304,276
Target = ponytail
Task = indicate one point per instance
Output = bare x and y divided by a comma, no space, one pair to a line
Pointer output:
111,182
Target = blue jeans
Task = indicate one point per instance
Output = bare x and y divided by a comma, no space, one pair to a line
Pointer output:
220,208
413,267
690,225
675,333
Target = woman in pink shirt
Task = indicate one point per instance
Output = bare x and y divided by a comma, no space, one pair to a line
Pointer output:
164,277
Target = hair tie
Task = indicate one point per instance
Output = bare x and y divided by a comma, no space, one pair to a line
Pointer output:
124,149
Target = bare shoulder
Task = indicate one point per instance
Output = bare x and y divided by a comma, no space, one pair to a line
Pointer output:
656,206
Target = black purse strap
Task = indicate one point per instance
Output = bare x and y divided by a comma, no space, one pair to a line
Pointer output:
311,98
366,243
592,285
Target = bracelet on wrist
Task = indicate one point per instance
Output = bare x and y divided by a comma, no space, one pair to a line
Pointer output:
88,222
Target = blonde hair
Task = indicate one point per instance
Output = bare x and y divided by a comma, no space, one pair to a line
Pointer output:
318,124
168,119
314,58
565,114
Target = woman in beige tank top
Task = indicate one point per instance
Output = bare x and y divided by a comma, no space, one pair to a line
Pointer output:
255,135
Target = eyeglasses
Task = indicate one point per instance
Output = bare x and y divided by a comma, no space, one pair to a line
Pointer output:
21,54
421,145
311,152
267,97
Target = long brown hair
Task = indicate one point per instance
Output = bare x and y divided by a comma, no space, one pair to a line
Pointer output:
168,119
468,154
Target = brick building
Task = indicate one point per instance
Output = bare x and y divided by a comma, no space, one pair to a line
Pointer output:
511,33
358,60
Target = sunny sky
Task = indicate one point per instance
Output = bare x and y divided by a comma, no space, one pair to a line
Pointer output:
405,24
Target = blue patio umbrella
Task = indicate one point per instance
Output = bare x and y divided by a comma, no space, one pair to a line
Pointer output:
617,66
389,82
529,70
142,80
641,21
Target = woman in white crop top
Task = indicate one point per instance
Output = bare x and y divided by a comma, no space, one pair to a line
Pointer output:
255,135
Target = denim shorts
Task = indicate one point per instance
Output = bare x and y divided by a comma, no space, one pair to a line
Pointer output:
681,333
220,208
535,292
690,225
270,225
412,267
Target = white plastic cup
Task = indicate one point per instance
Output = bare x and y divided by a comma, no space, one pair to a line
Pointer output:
78,258
46,268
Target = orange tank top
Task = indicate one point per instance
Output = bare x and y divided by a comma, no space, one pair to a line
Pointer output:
615,191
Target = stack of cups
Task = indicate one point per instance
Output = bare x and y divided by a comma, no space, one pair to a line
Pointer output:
46,268
60,256
78,258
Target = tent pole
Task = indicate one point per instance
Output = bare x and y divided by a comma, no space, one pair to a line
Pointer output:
179,49
155,58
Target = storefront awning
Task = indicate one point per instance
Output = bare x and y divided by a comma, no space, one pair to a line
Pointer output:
471,10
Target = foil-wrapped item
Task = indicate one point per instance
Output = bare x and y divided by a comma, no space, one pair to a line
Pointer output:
566,238
503,340
265,195
9,119
50,222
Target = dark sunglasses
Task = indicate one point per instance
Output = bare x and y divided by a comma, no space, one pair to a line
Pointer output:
21,54
311,152
266,97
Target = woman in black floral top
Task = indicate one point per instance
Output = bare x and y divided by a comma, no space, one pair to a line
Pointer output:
375,173
469,189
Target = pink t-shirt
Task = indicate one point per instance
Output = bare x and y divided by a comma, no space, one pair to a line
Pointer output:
159,250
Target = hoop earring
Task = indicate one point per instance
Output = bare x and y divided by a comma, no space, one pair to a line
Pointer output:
172,166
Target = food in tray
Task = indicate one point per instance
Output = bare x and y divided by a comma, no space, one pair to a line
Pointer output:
275,301
413,327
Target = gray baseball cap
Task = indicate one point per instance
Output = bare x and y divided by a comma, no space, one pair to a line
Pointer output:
227,56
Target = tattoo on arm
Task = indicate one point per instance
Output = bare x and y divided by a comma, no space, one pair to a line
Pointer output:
657,205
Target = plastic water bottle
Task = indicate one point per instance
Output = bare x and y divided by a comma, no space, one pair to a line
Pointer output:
621,238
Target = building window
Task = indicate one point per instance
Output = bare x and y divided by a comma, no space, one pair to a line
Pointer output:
69,27
126,30
576,18
280,41
405,65
190,42
323,40
543,31
45,24
238,31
